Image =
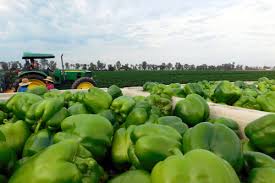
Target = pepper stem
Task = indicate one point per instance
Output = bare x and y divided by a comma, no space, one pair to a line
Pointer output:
38,126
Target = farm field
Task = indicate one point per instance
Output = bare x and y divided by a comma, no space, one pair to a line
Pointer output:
138,78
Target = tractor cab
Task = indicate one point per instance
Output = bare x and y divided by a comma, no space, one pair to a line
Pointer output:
31,60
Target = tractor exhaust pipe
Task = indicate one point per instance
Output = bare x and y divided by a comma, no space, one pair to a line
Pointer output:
62,64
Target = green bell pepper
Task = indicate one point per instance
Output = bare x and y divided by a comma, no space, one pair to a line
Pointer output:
262,87
191,88
63,162
174,91
272,88
52,94
108,114
120,145
217,138
139,115
207,87
262,175
175,85
192,110
226,92
149,85
42,111
38,90
7,156
152,143
210,92
250,92
114,91
163,104
197,166
153,118
143,104
78,97
139,98
261,133
20,103
122,106
155,113
240,84
174,122
15,134
179,92
267,101
77,108
204,84
93,131
97,100
248,102
257,160
233,125
37,142
66,96
54,123
158,89
133,176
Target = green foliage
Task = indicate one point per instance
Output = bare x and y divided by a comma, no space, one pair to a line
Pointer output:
138,78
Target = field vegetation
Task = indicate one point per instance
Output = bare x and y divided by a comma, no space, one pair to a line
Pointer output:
138,78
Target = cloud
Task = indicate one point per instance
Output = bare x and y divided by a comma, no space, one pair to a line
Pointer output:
196,31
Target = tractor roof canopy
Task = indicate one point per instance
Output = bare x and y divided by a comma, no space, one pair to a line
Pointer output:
29,55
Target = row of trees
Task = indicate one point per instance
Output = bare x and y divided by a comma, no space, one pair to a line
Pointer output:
118,66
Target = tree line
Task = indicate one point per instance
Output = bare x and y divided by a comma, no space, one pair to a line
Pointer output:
119,66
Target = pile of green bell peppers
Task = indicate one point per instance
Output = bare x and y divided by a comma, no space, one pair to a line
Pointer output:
258,95
104,136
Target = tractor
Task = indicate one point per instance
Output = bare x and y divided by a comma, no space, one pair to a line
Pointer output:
63,79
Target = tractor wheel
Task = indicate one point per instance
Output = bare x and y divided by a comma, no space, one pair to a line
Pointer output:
83,83
37,80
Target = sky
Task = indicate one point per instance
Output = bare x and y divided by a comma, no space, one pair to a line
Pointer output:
193,32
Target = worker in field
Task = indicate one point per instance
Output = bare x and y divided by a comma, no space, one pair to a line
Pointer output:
49,83
23,86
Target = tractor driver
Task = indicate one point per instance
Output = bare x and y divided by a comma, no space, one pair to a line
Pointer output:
49,83
34,65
